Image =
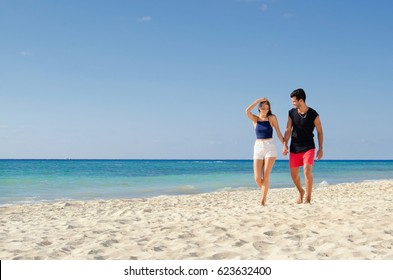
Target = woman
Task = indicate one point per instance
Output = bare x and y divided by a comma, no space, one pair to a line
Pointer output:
265,151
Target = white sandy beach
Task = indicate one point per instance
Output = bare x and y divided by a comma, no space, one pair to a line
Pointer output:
347,221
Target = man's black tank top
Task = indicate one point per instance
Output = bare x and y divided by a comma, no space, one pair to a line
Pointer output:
302,137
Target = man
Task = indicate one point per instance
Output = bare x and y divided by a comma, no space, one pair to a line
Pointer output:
302,121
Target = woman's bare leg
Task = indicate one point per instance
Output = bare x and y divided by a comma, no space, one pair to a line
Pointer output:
269,162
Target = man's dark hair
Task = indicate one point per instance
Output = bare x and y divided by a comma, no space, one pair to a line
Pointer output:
299,94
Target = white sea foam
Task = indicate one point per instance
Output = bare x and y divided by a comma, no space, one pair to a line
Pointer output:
185,189
323,184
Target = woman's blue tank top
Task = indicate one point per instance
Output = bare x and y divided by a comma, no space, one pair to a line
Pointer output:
263,130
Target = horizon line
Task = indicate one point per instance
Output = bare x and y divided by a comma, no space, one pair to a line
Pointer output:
186,159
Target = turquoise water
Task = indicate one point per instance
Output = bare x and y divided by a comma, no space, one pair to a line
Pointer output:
32,181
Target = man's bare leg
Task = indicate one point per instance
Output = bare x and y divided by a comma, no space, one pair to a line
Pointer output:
309,182
296,180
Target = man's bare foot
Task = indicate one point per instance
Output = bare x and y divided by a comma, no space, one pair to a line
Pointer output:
300,197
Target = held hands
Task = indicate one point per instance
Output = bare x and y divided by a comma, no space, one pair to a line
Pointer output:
285,150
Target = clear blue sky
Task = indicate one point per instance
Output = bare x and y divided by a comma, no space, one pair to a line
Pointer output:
171,79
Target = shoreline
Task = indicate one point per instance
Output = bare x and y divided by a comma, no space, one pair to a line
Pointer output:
322,184
26,182
344,221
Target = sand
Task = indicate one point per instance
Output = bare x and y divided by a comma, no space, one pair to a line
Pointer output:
343,222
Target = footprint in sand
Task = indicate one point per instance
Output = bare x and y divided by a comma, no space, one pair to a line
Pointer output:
270,233
109,243
297,237
44,243
240,243
262,246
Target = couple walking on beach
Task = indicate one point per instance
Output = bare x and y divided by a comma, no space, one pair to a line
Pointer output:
302,120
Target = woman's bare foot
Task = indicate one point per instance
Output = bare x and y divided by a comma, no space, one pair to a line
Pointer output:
263,201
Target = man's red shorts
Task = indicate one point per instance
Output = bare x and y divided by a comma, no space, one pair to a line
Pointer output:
300,159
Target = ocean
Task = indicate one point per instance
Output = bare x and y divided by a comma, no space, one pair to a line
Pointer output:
36,181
